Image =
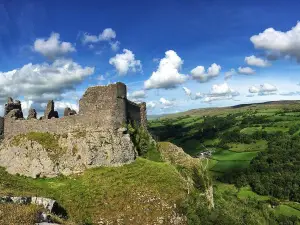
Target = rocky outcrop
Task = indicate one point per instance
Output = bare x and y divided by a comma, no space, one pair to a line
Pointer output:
69,112
31,114
45,154
50,206
49,112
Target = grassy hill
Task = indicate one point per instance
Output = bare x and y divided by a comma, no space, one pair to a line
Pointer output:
236,136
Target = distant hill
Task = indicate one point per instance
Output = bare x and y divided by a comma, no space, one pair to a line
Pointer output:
291,104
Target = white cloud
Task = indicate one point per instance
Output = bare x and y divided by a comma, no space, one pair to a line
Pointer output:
198,95
267,87
41,82
285,43
263,89
167,75
166,103
150,105
253,89
107,35
198,71
220,92
115,45
213,70
229,74
138,94
220,89
52,47
246,70
255,61
126,62
187,91
61,105
199,74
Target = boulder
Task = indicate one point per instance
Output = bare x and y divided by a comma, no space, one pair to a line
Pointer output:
31,114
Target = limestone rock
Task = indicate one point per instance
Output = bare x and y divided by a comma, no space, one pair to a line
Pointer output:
76,151
31,114
49,112
47,203
21,200
69,112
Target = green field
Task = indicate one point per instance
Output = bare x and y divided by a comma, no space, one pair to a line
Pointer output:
246,192
235,135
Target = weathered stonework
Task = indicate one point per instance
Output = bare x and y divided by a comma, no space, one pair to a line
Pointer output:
49,112
31,114
97,131
11,105
69,112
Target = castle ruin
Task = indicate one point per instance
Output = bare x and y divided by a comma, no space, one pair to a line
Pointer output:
100,106
95,136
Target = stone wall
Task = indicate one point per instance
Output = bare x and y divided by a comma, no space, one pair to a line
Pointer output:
59,125
143,114
100,107
100,98
133,112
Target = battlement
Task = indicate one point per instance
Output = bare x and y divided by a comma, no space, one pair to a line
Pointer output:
101,107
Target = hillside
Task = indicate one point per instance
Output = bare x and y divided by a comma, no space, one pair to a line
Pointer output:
231,109
251,150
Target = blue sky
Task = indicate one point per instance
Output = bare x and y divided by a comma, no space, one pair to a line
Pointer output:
174,55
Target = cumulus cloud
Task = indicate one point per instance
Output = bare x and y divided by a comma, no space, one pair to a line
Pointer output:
138,94
246,70
255,61
285,43
199,73
107,35
263,89
220,92
166,103
267,87
61,105
229,74
126,62
52,47
167,75
41,82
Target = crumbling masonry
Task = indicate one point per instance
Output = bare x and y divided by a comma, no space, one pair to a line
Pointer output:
100,106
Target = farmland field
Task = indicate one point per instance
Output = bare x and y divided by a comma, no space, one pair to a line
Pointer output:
237,137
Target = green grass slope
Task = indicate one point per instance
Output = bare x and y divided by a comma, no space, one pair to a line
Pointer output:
136,194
